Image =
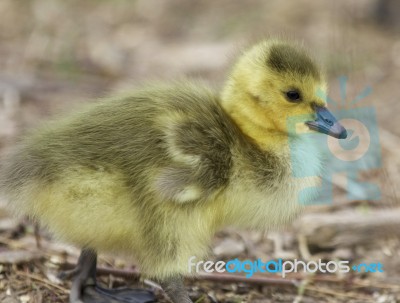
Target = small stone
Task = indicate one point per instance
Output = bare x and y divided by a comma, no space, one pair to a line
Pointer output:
18,256
25,298
343,253
229,247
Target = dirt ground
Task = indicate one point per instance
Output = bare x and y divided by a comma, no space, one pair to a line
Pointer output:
55,55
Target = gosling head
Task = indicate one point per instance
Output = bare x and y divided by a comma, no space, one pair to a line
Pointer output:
272,82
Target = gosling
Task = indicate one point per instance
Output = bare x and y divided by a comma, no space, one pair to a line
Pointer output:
153,174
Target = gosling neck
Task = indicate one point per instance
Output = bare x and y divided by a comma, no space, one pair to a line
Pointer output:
242,108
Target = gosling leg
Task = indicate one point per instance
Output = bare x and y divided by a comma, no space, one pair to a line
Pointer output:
83,275
175,289
85,289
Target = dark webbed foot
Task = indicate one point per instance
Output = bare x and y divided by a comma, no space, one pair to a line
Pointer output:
85,290
96,294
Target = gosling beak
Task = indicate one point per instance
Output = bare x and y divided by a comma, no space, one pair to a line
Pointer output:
326,123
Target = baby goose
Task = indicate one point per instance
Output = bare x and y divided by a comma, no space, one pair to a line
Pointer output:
154,174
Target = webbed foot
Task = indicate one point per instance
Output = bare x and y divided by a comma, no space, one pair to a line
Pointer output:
97,294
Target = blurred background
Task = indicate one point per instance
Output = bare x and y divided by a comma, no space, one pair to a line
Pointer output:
55,55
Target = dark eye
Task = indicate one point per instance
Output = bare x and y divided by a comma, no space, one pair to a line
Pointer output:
293,96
